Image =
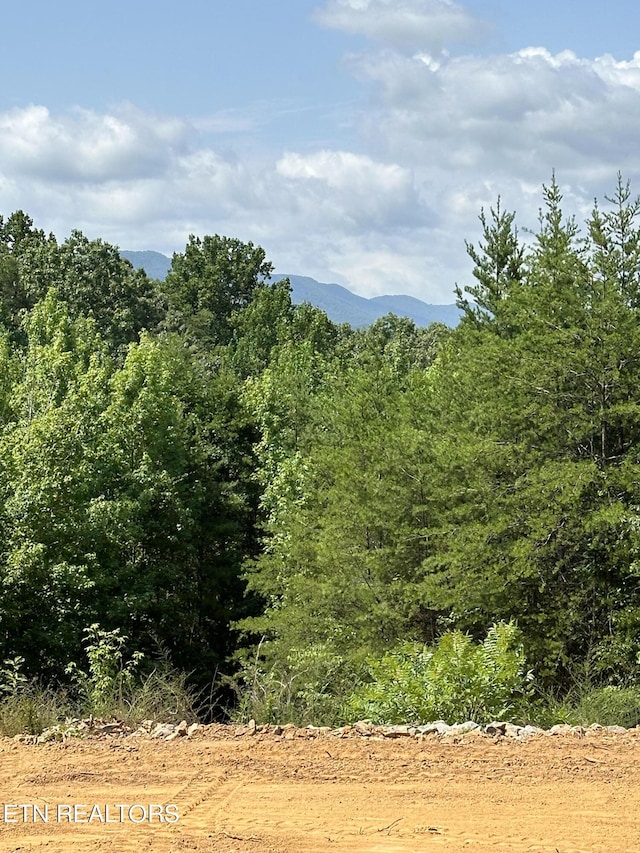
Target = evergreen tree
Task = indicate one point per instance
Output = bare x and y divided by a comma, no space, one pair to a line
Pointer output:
498,268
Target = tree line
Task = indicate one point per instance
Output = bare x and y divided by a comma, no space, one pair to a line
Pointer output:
241,486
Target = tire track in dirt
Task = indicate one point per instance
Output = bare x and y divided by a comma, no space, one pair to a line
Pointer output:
302,795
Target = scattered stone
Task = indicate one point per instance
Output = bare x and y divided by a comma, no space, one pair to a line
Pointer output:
463,728
24,738
162,730
560,729
343,731
438,727
532,730
365,728
60,732
616,730
106,728
179,731
399,731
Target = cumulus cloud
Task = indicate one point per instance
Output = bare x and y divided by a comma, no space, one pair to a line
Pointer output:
145,181
86,146
473,127
441,136
352,190
532,108
410,25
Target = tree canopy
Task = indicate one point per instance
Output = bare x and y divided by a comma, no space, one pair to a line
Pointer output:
237,483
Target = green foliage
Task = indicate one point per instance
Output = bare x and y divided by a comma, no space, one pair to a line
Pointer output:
534,493
126,497
164,453
33,709
395,343
108,677
585,704
345,514
213,279
27,707
94,281
456,680
13,678
88,275
305,688
608,706
498,269
113,687
165,694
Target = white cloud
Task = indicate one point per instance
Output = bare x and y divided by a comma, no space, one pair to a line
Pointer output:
475,111
441,137
473,127
352,190
147,182
427,25
86,146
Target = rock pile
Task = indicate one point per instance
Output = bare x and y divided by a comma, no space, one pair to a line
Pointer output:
96,728
362,729
366,729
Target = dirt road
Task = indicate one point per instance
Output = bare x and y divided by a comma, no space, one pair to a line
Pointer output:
302,794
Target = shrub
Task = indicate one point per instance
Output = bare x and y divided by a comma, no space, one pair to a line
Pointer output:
114,688
27,707
102,688
306,688
610,705
163,695
455,680
32,710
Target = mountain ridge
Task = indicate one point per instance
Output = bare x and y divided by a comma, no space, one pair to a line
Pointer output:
339,303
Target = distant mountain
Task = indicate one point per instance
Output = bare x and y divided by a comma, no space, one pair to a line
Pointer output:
340,304
422,313
155,264
343,306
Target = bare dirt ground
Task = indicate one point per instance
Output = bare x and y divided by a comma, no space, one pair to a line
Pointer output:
302,794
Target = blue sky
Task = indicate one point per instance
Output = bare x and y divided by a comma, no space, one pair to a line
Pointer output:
355,140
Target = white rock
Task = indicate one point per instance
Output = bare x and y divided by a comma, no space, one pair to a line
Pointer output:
532,730
162,730
512,730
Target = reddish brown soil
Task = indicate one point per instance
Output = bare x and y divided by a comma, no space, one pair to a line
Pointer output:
267,794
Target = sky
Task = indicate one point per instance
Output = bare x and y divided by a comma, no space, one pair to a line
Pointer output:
356,141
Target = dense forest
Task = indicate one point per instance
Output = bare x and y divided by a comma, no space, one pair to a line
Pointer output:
239,489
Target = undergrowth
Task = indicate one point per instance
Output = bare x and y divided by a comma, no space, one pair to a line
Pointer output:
110,688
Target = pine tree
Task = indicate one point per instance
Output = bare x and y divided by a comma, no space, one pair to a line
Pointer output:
498,269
